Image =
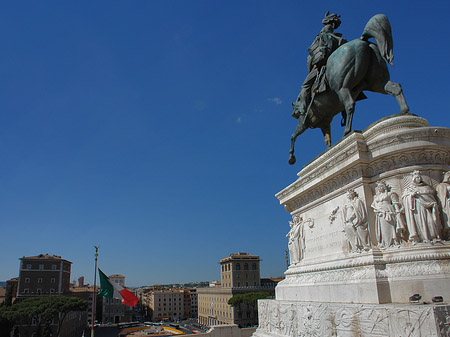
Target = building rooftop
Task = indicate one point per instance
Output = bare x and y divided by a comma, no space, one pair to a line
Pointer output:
83,289
44,257
240,256
116,276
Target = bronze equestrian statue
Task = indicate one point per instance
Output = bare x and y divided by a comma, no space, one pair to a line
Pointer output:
339,72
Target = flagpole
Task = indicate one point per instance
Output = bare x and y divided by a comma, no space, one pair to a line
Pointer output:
93,297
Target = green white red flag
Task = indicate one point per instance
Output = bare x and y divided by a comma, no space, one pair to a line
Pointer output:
111,289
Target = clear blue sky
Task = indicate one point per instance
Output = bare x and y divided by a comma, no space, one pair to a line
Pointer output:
159,130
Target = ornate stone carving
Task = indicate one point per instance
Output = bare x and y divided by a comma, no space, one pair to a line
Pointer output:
296,237
390,225
354,214
333,215
443,193
336,275
421,210
348,320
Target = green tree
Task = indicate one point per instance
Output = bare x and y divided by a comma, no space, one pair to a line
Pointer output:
43,310
8,294
5,324
250,299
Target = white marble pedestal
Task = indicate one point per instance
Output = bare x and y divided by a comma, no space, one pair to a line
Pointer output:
347,275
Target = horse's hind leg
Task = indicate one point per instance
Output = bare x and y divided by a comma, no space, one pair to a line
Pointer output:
326,130
346,98
395,89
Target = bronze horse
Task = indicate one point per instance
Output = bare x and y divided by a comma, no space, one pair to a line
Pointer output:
354,67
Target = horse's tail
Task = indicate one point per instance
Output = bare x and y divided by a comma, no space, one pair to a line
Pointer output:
379,28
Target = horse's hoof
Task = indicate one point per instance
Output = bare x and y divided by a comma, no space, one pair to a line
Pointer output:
292,160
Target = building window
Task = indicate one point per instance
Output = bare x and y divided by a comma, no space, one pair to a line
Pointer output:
39,280
26,291
53,280
52,291
254,283
246,266
41,267
237,275
53,266
239,284
238,266
254,266
27,280
39,291
28,266
246,284
246,275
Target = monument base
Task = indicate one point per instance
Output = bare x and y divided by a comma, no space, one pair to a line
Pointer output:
312,319
369,232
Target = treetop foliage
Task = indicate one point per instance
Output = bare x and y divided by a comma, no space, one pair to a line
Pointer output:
249,298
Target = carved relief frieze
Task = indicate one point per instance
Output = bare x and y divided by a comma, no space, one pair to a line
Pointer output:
407,158
325,188
306,319
416,269
335,275
415,135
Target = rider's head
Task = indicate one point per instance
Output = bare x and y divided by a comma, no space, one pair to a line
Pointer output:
332,19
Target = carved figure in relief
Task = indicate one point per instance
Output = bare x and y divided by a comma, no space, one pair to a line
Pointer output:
389,224
421,211
443,193
355,222
296,237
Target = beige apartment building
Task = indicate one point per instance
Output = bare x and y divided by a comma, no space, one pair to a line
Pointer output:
240,274
166,305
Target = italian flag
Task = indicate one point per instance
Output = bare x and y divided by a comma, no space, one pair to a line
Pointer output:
113,290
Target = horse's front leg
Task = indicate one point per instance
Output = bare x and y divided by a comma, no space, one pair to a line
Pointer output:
349,103
298,131
395,89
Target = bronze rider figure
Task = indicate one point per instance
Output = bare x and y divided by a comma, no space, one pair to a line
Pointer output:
325,43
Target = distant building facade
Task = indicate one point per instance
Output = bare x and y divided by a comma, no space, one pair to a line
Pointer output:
113,310
43,275
87,293
240,274
193,305
46,275
166,304
9,293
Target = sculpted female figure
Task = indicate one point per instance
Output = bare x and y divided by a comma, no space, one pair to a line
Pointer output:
387,208
296,238
421,211
355,222
443,193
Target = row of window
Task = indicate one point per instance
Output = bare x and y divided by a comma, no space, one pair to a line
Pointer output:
41,267
246,284
40,280
238,275
112,300
38,291
179,299
227,267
